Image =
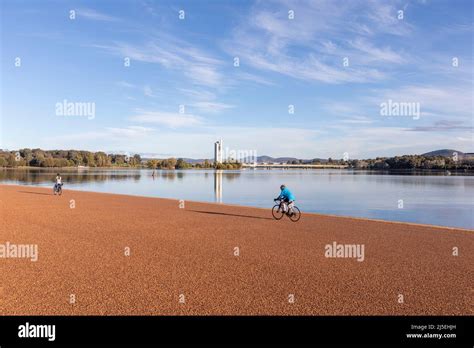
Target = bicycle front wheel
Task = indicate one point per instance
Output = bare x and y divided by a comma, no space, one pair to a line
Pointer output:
277,212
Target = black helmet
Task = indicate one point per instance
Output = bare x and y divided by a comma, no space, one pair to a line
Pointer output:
58,174
282,187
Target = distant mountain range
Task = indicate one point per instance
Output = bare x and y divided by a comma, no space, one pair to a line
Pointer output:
269,159
449,153
445,153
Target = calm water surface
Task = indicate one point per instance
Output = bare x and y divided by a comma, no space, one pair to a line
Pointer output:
429,199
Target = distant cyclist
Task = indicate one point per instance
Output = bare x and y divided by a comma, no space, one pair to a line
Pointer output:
58,182
287,197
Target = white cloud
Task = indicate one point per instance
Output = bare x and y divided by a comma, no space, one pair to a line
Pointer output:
147,91
311,46
177,55
95,15
110,136
454,101
372,53
125,84
311,68
359,142
168,119
357,120
149,7
212,107
198,94
131,131
205,75
384,17
254,78
371,142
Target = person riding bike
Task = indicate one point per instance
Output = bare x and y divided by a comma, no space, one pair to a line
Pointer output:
287,197
58,182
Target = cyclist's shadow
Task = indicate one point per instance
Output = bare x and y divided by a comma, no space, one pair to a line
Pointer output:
227,214
37,193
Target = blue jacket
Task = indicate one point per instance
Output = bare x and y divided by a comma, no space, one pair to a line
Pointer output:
286,194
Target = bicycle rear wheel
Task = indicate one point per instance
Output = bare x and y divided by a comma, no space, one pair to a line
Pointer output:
276,212
296,215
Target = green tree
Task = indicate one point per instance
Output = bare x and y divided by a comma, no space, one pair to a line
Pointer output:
172,163
11,160
136,160
89,159
181,164
152,164
101,159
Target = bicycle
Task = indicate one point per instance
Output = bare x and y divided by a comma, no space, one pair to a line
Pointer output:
58,189
292,212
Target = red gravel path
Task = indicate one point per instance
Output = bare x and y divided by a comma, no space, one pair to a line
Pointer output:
191,252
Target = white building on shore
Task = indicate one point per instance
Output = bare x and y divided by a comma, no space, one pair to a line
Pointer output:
218,149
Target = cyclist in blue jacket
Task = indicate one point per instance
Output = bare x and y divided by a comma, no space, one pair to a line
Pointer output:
287,197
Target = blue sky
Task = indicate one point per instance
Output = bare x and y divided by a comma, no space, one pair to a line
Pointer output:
283,61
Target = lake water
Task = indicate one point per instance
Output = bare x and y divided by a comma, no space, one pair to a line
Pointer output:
429,199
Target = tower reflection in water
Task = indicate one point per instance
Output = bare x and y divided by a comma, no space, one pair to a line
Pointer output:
218,186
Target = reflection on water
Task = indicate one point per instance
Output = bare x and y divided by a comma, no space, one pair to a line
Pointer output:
438,200
42,176
218,185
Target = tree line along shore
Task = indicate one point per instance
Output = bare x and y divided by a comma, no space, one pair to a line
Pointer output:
75,158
